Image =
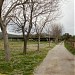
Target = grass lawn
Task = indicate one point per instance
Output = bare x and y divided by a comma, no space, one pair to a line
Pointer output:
70,48
23,64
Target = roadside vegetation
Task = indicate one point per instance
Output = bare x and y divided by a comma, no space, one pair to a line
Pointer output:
69,42
70,48
21,64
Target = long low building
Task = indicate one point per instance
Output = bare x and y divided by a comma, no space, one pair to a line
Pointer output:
20,37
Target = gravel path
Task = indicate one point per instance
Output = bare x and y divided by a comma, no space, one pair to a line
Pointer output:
59,61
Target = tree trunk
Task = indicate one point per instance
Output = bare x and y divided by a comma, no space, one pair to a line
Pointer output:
49,40
25,46
56,40
25,41
38,48
5,35
6,44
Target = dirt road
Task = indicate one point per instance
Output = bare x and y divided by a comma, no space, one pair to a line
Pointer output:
59,61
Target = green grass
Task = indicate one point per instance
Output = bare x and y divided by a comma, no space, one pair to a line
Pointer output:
70,48
23,64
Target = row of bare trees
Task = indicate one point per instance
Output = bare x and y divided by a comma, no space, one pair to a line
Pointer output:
26,14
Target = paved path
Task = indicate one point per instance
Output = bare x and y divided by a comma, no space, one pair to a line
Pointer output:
59,61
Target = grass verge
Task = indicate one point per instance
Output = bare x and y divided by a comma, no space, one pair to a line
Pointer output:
22,64
70,48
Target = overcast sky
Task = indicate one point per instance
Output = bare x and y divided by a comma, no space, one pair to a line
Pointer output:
74,18
68,16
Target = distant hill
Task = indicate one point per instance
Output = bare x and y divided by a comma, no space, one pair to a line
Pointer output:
11,35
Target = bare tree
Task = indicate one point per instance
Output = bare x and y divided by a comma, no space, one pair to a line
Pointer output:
41,25
4,20
24,21
39,28
51,14
56,30
48,32
34,8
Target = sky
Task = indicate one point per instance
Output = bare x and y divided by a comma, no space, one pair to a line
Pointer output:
74,18
68,16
